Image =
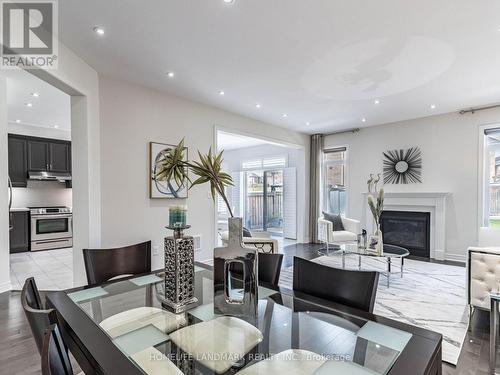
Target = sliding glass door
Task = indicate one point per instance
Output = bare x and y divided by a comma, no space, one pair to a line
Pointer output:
264,201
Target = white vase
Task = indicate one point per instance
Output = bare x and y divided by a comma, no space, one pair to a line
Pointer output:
379,247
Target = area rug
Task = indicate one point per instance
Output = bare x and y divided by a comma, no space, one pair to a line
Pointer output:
430,296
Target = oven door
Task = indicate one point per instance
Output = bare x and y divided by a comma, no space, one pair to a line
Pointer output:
48,227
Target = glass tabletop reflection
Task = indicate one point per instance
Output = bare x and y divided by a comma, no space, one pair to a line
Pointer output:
288,333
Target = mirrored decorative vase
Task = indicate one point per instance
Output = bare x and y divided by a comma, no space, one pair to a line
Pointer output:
235,275
179,271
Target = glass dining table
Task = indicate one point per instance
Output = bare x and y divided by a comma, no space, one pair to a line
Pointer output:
120,327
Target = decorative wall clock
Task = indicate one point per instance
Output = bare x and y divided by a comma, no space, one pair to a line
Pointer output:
403,166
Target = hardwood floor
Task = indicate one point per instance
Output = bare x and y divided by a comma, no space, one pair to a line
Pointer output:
19,356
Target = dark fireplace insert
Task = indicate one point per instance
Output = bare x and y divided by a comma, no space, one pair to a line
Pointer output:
410,230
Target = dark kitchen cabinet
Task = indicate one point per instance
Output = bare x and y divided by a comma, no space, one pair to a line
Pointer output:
30,154
18,161
60,157
20,234
38,155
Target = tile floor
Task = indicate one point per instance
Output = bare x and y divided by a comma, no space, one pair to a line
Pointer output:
52,269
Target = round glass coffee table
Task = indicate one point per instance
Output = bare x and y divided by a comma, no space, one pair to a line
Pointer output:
390,252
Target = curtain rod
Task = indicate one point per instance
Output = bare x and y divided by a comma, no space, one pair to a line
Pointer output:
472,110
354,130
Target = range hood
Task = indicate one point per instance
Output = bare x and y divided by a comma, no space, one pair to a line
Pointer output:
49,176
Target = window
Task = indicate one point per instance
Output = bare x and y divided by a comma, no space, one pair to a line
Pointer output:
491,211
334,180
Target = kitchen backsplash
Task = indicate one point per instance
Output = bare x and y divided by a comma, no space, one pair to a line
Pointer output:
42,193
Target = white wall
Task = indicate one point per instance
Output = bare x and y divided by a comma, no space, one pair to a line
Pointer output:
131,117
296,159
449,145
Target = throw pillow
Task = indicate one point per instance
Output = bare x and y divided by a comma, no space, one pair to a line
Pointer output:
336,221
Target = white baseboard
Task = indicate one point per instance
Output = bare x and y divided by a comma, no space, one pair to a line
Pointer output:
5,287
439,254
456,258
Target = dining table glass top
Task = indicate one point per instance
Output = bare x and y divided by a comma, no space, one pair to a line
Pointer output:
288,334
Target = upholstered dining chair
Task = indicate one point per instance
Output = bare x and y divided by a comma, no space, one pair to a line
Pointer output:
102,265
36,314
350,288
55,358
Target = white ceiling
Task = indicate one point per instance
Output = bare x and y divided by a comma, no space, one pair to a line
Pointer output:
320,61
50,109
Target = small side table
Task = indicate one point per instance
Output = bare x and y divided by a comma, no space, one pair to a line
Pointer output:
495,301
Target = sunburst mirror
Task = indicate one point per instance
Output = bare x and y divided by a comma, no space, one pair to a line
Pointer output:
403,166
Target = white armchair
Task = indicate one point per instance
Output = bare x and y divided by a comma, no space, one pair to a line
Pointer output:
326,234
264,243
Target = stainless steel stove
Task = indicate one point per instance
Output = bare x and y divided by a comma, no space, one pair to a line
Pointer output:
51,228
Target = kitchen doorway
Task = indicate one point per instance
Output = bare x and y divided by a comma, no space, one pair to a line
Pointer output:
40,175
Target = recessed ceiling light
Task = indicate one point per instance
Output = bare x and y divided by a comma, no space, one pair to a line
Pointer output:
35,94
28,104
377,101
363,120
56,126
170,74
18,121
284,115
433,106
98,30
308,123
222,93
229,1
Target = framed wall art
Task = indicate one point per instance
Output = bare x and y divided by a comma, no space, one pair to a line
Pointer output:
403,166
159,187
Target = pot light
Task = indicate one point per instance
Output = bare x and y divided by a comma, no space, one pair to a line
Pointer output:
18,121
222,93
56,126
170,74
284,115
308,123
377,101
433,106
35,94
257,105
228,1
98,30
28,104
363,120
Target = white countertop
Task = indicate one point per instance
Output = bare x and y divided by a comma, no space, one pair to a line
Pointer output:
19,209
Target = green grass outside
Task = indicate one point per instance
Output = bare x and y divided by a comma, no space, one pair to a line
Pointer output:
495,223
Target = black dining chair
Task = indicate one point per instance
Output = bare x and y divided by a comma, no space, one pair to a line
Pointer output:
102,265
55,358
269,270
36,314
351,288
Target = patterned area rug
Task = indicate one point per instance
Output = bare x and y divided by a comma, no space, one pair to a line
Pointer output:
430,295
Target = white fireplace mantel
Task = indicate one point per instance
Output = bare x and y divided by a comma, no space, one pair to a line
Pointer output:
433,202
